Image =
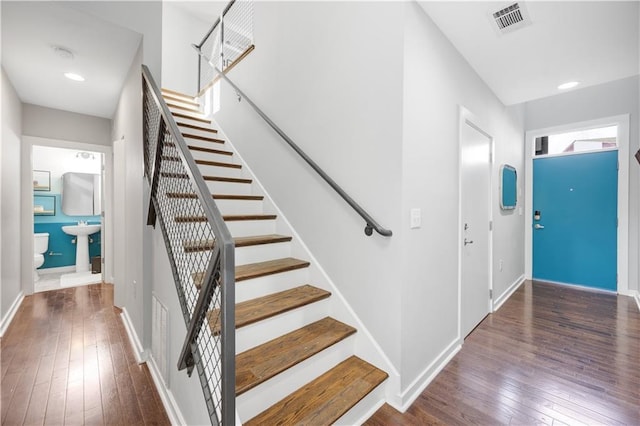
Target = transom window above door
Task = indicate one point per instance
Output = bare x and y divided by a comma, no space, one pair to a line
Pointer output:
601,138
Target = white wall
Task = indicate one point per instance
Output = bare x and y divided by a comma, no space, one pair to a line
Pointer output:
376,105
10,217
53,123
60,160
437,80
604,100
179,60
129,260
329,73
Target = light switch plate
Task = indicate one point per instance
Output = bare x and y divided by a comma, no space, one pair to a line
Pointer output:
416,218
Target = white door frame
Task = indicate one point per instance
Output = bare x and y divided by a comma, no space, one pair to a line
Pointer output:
622,121
26,212
466,117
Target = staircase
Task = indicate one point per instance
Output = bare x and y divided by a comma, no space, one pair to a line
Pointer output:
295,364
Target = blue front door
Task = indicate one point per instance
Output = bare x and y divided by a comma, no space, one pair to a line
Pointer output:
575,236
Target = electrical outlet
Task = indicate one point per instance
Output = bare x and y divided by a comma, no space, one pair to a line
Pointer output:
501,264
416,218
134,287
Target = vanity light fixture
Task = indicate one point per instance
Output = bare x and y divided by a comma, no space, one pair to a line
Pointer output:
85,155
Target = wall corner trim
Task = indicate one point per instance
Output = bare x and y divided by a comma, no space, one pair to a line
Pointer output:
6,321
136,345
168,401
403,401
637,297
499,301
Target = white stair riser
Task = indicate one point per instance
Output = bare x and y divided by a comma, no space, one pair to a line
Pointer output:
252,335
220,171
247,228
191,110
261,286
229,188
198,132
262,252
240,206
256,400
211,156
190,120
363,409
171,99
228,207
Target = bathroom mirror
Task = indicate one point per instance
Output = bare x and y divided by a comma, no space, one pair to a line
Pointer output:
81,194
508,187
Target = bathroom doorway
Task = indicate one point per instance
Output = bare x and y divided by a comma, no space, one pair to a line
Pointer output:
67,210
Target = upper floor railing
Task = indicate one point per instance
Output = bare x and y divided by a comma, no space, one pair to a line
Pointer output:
228,41
205,278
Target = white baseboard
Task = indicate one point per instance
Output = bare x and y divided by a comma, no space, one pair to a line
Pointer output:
136,345
58,270
168,401
508,292
8,317
403,401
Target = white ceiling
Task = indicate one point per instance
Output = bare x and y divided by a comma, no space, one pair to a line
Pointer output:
591,42
102,51
586,41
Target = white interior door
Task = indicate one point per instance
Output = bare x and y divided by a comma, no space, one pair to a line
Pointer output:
475,175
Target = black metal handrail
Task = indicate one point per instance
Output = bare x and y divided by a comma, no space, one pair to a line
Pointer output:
371,223
170,170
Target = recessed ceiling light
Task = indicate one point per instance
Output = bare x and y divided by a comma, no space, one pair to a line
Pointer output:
73,76
569,85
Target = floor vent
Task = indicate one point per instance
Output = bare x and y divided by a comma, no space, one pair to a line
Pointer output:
511,18
159,337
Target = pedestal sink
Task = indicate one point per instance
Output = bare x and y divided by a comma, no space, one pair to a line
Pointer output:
81,232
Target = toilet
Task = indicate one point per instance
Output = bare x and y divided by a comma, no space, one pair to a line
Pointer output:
40,246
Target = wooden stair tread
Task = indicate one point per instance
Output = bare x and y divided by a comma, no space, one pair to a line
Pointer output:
196,127
227,218
202,138
175,93
173,98
192,246
218,164
191,117
269,267
205,162
255,310
182,107
263,362
199,148
325,399
210,178
217,196
259,269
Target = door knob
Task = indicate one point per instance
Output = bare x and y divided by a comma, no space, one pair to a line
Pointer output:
467,242
538,226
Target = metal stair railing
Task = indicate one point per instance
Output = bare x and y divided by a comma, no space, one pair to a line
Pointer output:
204,280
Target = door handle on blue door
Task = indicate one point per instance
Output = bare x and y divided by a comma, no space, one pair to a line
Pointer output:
538,226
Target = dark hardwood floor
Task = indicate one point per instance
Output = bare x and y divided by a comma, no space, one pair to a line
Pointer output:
550,355
66,359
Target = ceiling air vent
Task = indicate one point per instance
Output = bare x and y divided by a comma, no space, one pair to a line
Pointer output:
511,18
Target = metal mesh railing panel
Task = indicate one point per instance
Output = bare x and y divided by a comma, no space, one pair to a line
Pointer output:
211,48
187,220
228,41
238,31
151,123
